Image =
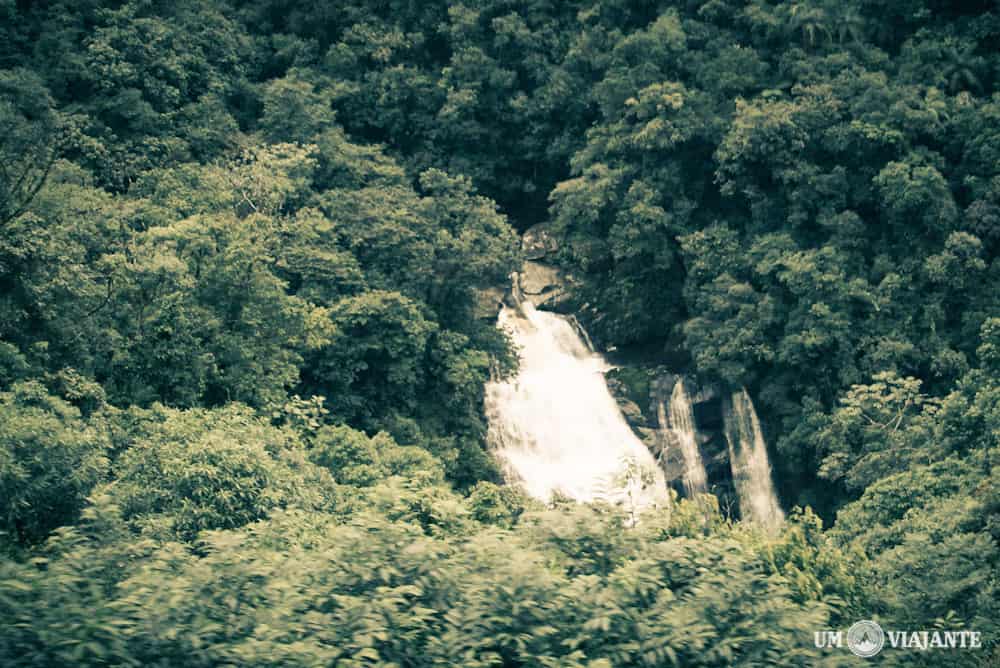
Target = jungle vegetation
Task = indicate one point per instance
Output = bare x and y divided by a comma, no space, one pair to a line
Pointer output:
242,355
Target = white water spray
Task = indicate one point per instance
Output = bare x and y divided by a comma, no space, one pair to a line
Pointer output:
555,426
749,461
681,424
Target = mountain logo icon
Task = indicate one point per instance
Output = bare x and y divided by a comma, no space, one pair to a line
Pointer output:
865,638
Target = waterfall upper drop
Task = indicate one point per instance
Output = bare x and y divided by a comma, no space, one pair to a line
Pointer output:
680,421
555,426
749,461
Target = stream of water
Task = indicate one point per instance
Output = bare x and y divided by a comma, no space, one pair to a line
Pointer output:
555,426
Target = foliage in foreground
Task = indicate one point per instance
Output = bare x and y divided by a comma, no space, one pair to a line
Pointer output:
415,579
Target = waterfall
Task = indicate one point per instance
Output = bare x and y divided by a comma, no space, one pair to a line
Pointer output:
748,458
680,422
555,426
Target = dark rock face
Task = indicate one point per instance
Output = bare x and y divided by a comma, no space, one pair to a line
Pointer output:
707,411
657,384
668,456
631,411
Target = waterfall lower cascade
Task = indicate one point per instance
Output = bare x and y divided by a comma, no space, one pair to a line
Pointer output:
749,461
555,426
680,421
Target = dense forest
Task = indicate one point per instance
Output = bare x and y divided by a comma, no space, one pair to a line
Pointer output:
244,342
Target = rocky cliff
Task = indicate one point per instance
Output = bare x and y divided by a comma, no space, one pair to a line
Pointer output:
541,280
640,389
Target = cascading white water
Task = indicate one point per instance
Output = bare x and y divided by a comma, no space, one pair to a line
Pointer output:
681,424
555,426
749,461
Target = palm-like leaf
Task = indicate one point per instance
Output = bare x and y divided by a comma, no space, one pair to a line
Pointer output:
809,21
961,71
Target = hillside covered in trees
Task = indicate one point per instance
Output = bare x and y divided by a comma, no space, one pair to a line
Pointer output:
244,248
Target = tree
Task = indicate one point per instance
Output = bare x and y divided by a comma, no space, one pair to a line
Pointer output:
372,361
810,22
878,429
294,111
190,471
916,199
34,137
50,459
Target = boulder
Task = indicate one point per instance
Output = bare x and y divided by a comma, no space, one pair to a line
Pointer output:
542,284
538,242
